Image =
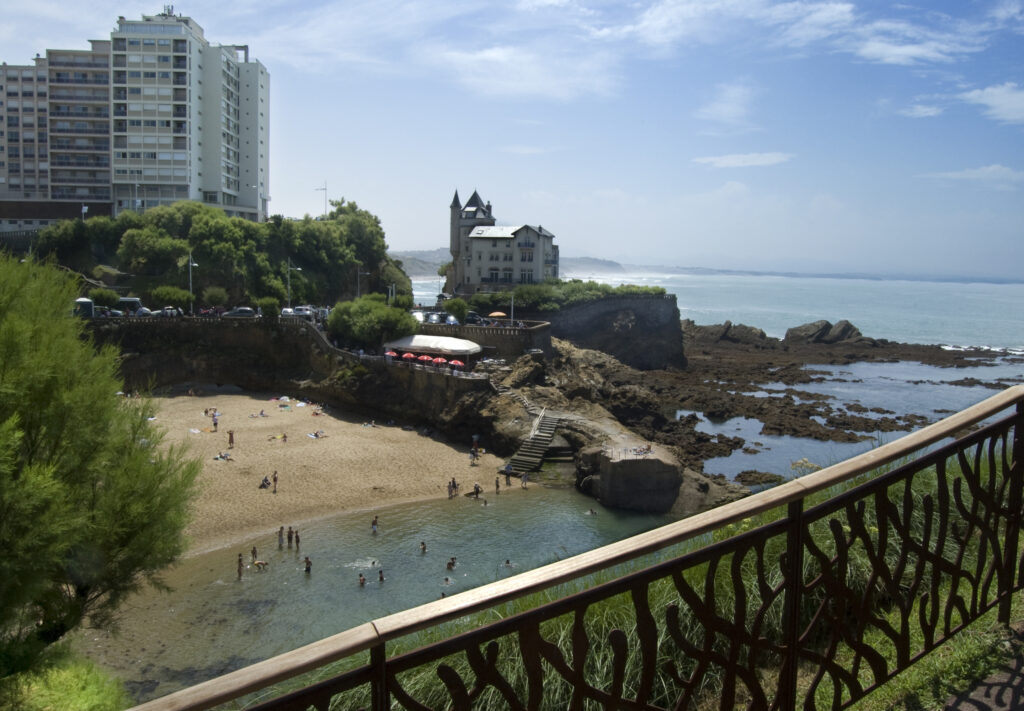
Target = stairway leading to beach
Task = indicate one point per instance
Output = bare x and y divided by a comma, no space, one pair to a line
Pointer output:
531,452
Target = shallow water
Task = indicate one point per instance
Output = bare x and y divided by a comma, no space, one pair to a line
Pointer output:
213,623
902,388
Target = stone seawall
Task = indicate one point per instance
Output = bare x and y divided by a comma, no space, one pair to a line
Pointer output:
282,356
497,341
641,331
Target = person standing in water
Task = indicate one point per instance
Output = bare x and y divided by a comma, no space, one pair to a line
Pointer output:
309,565
241,566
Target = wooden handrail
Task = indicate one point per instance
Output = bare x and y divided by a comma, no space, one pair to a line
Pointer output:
372,634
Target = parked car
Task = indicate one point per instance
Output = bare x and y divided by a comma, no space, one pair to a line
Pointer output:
435,317
142,311
106,312
451,320
129,305
419,316
241,312
168,312
287,312
472,317
305,312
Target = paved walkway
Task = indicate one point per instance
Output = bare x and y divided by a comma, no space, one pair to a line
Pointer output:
1003,691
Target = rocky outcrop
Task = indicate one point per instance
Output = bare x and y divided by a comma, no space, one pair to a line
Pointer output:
641,331
823,332
626,479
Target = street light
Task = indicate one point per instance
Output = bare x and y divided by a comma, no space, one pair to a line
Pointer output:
359,276
191,297
290,270
324,188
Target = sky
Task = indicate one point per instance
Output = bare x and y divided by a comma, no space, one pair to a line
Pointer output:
802,136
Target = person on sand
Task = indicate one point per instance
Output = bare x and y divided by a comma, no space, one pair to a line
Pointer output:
280,538
291,537
274,479
423,547
231,439
362,580
309,565
284,437
497,486
214,421
241,566
524,478
508,474
296,540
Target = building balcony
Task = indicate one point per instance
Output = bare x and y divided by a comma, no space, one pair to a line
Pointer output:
98,82
82,131
92,64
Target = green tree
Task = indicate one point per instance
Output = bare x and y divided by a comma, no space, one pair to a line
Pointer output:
458,308
215,296
91,505
369,322
170,296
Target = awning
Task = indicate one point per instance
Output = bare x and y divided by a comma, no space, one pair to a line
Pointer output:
435,345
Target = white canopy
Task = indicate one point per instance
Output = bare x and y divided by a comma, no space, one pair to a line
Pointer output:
441,345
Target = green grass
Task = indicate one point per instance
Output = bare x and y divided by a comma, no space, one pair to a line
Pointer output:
71,684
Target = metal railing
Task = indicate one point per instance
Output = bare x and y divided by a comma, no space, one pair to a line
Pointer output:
811,595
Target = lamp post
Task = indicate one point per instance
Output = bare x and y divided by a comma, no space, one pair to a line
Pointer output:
359,278
135,200
290,270
191,296
324,188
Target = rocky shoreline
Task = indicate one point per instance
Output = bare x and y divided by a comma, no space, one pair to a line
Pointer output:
727,365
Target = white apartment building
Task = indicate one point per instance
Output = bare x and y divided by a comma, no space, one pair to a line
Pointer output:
154,115
486,257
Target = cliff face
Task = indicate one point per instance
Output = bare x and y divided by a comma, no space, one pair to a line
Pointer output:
640,331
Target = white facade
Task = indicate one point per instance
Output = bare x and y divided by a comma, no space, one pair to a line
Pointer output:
486,257
191,119
153,115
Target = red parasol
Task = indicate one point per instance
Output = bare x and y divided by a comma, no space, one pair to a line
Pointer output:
456,363
425,359
440,361
390,353
408,356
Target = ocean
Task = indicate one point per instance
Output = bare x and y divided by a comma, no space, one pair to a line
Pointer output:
959,314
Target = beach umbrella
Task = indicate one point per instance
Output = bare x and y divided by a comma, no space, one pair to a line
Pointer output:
425,359
456,363
440,361
497,314
408,356
390,353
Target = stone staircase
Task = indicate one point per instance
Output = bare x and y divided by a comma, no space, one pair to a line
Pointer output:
515,395
531,452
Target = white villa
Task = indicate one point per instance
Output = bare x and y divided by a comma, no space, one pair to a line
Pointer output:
486,257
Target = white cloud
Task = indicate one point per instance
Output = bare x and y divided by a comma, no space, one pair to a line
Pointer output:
744,160
517,71
730,107
996,176
920,111
1003,103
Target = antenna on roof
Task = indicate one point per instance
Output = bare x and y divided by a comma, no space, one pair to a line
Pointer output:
169,10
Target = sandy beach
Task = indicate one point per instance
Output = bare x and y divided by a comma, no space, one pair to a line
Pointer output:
353,466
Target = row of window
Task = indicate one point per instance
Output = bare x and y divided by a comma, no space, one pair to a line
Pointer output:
150,155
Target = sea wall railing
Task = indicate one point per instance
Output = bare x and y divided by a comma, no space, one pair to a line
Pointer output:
810,595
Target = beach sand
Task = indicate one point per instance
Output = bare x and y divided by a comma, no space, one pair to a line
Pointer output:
354,467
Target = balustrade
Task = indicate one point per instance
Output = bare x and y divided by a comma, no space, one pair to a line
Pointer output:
808,595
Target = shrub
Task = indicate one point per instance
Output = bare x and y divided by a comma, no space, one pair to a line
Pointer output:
103,297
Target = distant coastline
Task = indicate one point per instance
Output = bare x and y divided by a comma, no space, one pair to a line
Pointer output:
425,263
